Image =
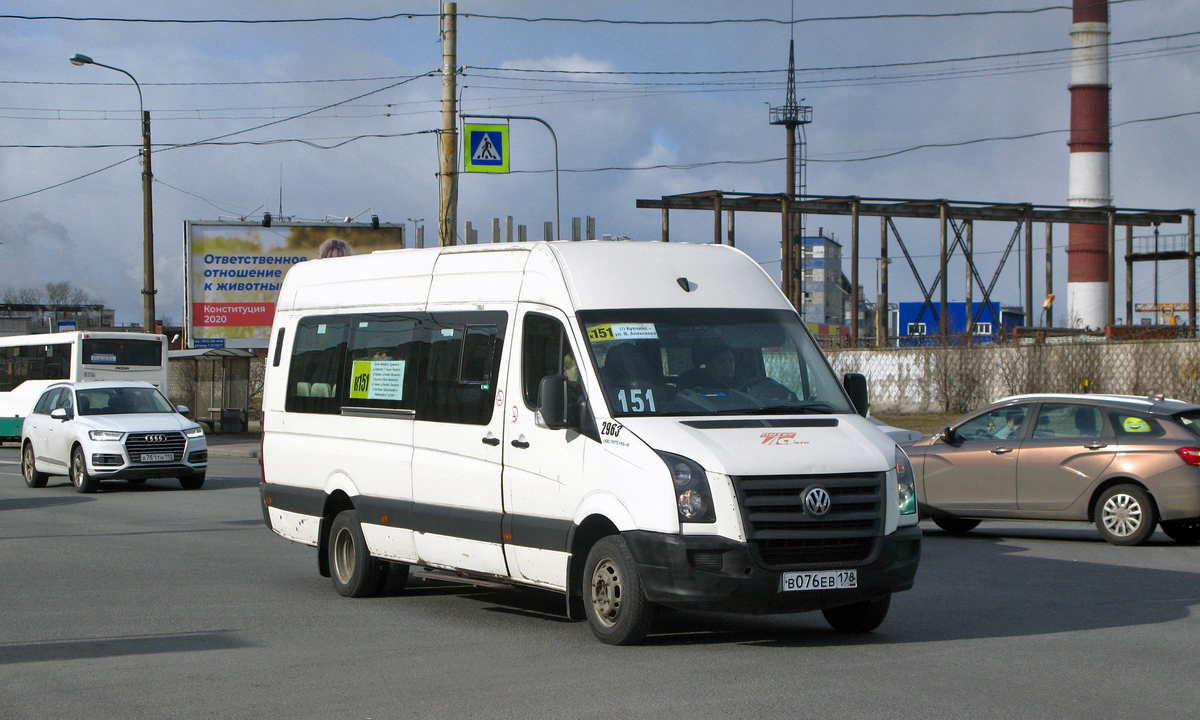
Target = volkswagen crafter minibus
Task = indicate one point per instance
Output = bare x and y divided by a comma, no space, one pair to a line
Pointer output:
633,425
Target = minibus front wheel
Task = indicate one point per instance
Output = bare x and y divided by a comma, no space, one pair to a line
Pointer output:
355,573
614,601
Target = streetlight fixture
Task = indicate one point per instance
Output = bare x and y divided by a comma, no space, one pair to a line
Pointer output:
418,239
147,205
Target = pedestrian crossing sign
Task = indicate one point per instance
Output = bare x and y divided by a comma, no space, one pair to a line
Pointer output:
485,148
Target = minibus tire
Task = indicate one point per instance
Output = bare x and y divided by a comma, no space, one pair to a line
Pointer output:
393,578
859,617
354,572
954,525
33,478
614,602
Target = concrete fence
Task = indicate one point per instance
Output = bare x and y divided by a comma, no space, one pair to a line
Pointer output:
960,378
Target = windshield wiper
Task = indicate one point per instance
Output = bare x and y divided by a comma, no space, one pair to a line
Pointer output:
805,408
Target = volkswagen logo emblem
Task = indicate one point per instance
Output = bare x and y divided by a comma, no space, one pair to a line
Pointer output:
156,438
816,501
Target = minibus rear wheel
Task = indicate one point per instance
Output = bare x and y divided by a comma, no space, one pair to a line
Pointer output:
615,604
355,573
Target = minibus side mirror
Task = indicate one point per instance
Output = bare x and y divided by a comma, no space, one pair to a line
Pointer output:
856,388
552,402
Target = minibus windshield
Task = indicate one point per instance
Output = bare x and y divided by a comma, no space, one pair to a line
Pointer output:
712,361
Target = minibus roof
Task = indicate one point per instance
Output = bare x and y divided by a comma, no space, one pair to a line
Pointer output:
595,273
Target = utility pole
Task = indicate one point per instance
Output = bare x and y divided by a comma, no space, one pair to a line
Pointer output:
148,289
448,138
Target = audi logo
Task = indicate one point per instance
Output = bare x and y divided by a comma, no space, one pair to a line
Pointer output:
156,438
816,501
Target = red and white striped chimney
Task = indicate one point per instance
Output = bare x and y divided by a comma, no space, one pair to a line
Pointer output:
1087,248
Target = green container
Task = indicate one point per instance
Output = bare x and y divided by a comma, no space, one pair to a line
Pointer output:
10,428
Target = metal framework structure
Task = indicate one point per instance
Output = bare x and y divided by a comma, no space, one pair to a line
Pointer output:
957,220
793,116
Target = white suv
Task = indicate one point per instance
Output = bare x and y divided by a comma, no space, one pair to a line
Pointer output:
95,431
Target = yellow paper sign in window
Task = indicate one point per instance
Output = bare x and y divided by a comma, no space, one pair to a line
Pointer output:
377,380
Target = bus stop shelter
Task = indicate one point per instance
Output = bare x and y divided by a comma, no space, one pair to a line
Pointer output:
215,384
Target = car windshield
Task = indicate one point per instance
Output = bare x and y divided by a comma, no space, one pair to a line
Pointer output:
121,401
709,362
1190,420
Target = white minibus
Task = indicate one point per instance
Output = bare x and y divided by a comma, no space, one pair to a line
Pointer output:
633,425
30,363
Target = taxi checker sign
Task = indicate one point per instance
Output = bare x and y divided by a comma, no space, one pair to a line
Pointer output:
485,148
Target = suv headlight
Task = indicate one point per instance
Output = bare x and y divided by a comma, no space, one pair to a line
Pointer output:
692,496
196,432
905,483
105,434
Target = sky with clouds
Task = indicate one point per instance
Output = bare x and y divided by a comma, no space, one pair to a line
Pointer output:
641,109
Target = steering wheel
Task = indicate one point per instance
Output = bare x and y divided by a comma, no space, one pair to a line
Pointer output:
765,390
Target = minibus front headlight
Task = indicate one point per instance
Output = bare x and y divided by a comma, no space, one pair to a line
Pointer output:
905,484
693,498
105,434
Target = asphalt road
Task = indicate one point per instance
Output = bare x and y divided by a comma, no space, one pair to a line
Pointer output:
154,602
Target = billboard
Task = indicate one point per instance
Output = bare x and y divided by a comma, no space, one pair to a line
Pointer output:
234,271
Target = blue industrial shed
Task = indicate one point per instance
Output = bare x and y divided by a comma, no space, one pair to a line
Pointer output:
919,322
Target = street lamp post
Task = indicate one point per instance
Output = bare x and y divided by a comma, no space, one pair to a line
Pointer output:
147,206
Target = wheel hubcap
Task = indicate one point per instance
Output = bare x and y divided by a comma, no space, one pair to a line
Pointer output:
606,592
1122,515
343,556
27,464
77,470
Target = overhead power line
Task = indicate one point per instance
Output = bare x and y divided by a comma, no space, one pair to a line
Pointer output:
876,66
223,136
514,18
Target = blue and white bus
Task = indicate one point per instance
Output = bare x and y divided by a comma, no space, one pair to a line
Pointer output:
28,363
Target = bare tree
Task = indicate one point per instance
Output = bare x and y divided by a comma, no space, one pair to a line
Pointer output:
64,293
21,296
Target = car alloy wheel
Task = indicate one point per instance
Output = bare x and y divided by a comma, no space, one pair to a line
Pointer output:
1125,515
1122,515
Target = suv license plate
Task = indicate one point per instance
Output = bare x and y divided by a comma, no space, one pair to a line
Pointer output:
825,580
157,457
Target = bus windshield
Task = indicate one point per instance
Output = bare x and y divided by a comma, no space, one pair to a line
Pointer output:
120,351
709,362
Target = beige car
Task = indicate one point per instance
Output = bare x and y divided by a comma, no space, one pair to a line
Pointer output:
1125,463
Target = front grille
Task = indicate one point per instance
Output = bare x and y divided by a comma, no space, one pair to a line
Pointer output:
784,535
138,444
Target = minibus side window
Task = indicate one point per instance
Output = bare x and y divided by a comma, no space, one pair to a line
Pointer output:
545,351
458,375
381,372
318,354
